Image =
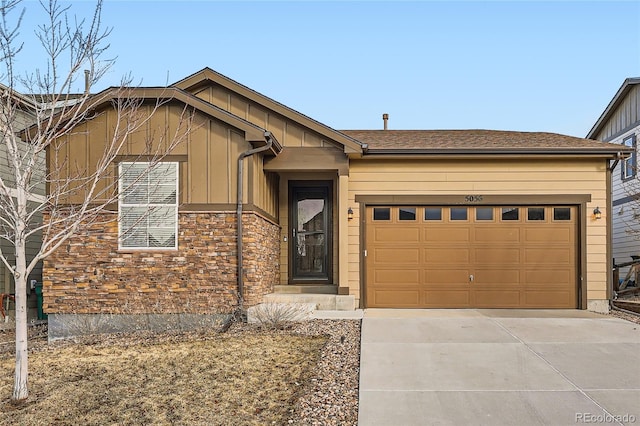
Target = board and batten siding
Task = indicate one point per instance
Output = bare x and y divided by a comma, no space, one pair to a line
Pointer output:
287,132
626,115
211,148
77,153
265,187
486,177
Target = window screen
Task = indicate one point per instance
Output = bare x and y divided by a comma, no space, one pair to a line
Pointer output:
148,205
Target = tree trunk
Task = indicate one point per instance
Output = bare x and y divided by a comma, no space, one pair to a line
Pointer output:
20,390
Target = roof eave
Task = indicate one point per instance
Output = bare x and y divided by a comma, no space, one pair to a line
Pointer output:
23,99
541,153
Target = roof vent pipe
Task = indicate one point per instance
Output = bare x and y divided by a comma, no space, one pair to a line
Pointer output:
86,82
385,118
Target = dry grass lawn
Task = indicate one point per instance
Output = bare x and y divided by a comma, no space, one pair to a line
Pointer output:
214,379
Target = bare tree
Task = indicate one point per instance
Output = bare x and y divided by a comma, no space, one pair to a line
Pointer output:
76,193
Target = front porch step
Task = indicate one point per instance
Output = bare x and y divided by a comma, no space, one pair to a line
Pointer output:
306,289
322,302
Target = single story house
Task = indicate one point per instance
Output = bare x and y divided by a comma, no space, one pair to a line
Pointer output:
619,124
390,218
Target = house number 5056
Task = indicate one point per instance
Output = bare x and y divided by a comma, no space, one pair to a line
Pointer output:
473,198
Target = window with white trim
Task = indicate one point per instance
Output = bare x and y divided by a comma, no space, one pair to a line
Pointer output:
148,205
629,164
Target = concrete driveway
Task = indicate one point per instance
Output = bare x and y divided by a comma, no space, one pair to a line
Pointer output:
498,367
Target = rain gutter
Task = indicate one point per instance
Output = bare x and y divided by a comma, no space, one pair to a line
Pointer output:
499,152
268,137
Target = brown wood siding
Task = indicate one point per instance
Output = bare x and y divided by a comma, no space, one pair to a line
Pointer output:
205,137
625,115
85,146
311,159
211,150
287,132
264,187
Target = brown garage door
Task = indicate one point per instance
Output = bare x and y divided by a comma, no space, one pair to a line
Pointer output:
462,257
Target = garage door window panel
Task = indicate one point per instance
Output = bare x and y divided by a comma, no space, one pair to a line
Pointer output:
510,214
458,214
535,214
562,213
407,213
432,213
381,213
484,214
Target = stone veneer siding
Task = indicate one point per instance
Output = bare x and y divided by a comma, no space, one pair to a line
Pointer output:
261,242
89,275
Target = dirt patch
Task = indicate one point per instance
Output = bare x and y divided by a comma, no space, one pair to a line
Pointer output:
246,376
37,337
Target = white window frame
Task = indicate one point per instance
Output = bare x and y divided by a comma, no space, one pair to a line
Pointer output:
630,164
144,223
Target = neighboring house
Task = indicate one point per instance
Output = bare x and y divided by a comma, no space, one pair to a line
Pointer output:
393,218
24,117
620,124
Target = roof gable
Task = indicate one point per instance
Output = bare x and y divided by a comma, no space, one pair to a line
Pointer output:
205,76
618,98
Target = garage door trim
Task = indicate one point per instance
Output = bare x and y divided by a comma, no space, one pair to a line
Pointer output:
478,199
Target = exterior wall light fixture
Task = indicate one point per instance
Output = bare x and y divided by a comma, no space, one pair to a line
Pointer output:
350,213
597,213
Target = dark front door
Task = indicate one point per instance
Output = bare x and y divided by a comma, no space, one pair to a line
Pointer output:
310,236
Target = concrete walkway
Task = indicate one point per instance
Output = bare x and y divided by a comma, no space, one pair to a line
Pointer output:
498,367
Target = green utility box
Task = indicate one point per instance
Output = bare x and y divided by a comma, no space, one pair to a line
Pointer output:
41,314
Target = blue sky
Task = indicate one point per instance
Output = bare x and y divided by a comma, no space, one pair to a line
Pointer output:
508,65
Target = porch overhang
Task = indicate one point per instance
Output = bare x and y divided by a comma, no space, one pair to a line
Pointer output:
308,159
